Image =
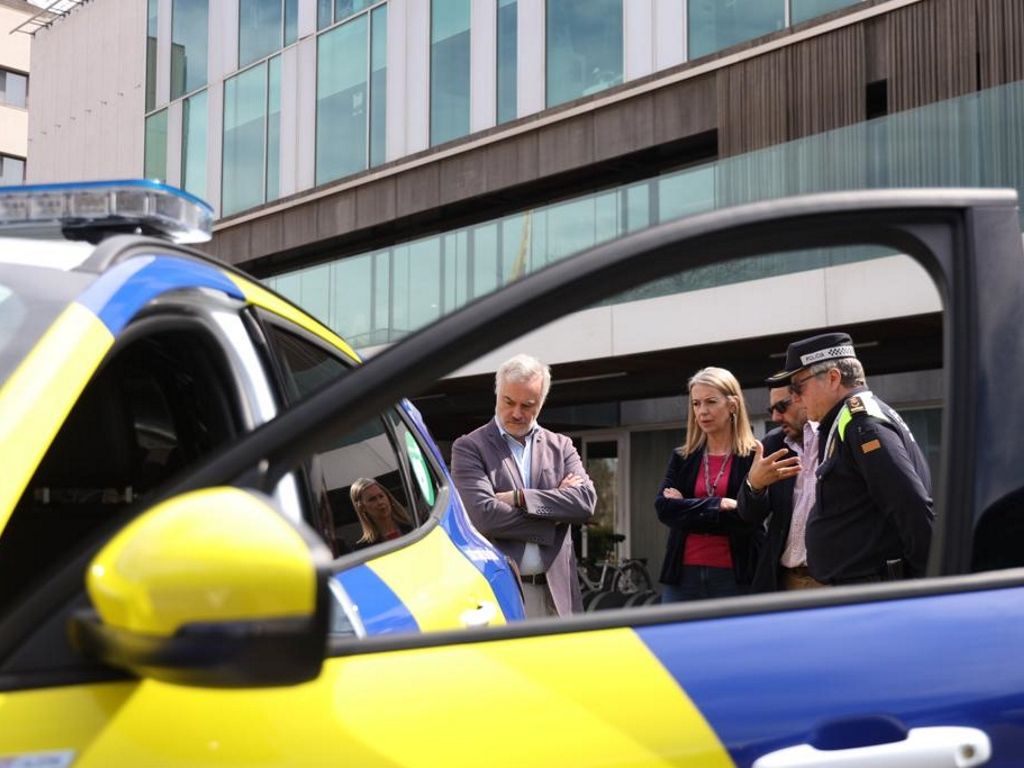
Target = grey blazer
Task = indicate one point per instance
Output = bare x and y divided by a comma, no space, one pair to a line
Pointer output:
482,466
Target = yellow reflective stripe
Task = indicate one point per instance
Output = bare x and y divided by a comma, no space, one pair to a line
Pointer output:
843,421
603,693
256,294
419,573
38,396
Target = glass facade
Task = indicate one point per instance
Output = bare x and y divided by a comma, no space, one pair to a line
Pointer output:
341,100
332,11
976,141
378,84
713,24
193,145
507,55
273,190
449,70
155,162
584,48
151,28
245,140
265,26
802,10
189,43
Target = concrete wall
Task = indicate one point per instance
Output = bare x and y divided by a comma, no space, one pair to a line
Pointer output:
88,94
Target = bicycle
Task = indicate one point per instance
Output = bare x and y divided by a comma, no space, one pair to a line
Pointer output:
626,576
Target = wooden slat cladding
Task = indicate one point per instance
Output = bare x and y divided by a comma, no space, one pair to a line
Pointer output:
933,52
812,87
1000,41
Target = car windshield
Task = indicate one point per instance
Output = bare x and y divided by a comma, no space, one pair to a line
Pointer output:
31,298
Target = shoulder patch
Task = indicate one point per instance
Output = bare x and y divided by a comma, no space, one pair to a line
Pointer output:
856,405
871,445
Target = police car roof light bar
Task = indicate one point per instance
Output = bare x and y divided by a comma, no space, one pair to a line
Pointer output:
96,209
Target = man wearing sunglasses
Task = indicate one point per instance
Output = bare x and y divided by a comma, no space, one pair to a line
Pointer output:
780,488
872,519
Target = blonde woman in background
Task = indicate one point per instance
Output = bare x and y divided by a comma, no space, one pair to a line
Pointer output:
380,514
711,552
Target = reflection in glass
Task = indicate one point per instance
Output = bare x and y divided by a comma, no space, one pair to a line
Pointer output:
449,70
151,30
808,9
291,21
189,41
378,84
274,129
13,88
245,113
154,165
714,25
584,48
508,36
259,29
12,170
193,145
324,13
341,96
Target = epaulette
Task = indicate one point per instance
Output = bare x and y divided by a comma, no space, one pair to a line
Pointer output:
856,405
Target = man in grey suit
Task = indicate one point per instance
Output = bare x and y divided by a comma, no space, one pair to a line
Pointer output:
524,486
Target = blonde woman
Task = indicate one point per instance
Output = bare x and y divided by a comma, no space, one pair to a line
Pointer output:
379,512
711,551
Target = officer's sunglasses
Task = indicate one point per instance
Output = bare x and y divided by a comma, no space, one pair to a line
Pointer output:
780,407
797,387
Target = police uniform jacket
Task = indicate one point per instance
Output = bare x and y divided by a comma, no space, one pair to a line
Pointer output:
704,515
775,504
873,501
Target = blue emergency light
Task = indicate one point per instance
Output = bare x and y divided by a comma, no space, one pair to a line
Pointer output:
96,209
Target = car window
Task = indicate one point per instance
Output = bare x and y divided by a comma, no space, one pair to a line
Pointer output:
156,407
375,454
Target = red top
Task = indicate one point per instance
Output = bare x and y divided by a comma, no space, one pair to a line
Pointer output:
710,549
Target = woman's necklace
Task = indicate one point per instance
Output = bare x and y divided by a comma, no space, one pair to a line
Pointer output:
709,487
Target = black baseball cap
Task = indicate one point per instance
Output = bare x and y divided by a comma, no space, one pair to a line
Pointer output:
807,352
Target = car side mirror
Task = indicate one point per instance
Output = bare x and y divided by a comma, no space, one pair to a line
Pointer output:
215,588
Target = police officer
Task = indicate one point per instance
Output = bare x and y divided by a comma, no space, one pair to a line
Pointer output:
872,519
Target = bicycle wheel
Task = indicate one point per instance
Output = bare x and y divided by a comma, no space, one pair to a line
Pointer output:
630,578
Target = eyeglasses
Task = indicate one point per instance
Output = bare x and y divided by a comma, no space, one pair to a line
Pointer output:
779,407
797,387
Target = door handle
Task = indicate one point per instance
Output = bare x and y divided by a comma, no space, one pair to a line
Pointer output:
937,747
481,616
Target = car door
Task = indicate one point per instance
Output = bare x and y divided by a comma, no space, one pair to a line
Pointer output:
922,672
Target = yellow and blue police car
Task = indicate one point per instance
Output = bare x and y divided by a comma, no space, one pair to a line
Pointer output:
189,612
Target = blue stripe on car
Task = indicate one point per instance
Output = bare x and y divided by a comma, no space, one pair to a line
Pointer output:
389,614
120,293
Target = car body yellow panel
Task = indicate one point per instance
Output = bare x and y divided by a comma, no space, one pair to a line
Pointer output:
434,566
207,555
261,297
602,691
36,399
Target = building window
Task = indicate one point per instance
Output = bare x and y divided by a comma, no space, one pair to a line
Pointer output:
584,48
151,30
351,96
251,144
507,40
189,41
332,11
265,26
449,70
155,162
13,88
714,25
193,145
12,170
802,10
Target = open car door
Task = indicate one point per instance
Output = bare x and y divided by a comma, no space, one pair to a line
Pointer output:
923,672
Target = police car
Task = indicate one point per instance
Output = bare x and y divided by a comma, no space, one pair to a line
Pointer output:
194,627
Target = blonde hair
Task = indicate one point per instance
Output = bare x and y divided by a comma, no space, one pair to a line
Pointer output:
370,533
743,440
